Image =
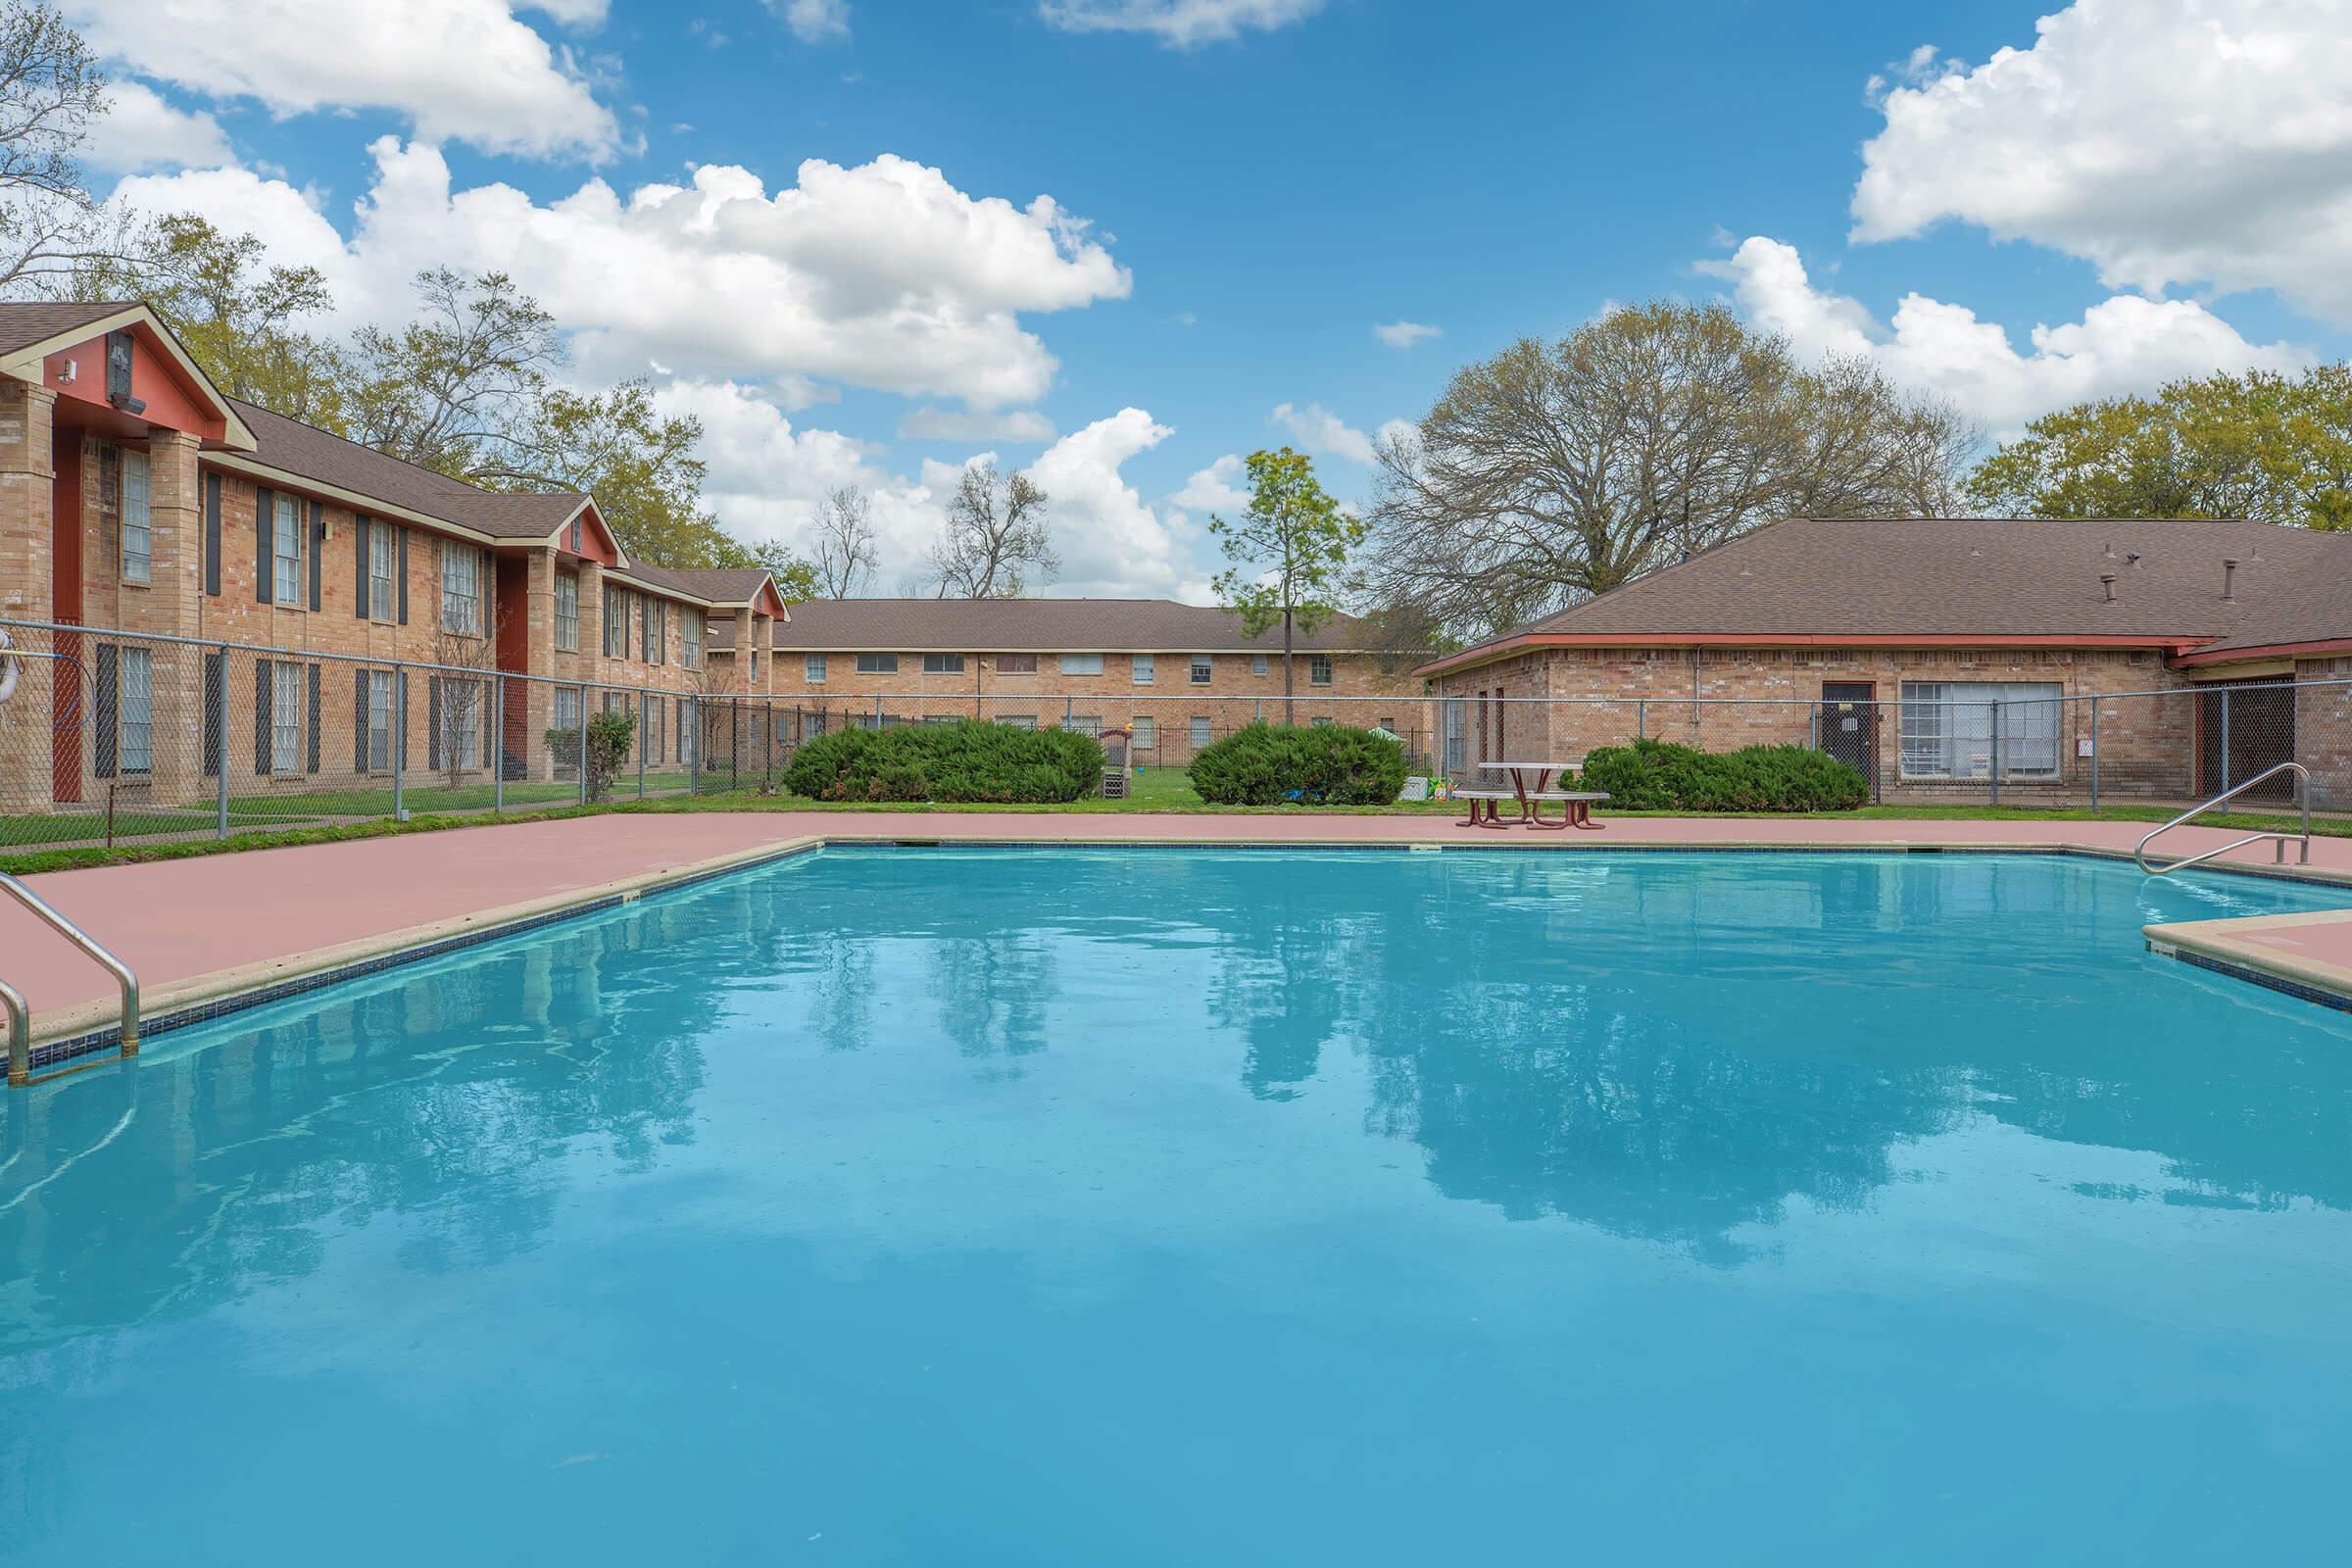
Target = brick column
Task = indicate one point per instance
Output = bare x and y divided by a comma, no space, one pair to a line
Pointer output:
539,655
27,472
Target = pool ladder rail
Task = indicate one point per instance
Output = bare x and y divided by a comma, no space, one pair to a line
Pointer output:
2302,776
19,1017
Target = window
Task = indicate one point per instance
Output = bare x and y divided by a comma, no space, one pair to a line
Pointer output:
690,628
943,663
656,618
1017,720
812,668
286,719
567,611
1318,671
379,720
460,588
285,551
940,718
1016,663
1200,733
649,740
383,573
877,664
1147,669
1086,724
465,706
138,538
616,622
1203,669
1258,663
134,712
1146,734
1947,729
567,707
1082,664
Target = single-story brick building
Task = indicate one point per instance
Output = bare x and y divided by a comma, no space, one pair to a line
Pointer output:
1931,652
1176,675
233,565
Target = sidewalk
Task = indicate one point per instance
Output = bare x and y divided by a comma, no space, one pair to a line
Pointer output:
174,922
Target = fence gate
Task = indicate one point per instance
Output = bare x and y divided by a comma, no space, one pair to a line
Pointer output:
2244,728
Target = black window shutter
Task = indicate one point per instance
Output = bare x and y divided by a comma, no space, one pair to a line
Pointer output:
261,717
358,721
216,695
404,576
265,565
105,734
359,576
311,713
432,723
317,553
212,534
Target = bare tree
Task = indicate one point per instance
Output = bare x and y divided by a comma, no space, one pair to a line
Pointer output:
51,89
457,380
995,537
847,556
1556,472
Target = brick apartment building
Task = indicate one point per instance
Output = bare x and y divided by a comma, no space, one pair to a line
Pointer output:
1889,641
136,500
1175,675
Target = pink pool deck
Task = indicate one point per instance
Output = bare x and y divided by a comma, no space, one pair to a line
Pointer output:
214,924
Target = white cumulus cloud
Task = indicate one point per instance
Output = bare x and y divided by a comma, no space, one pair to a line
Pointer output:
2168,141
1326,435
815,21
465,71
1404,334
952,424
1178,23
883,276
139,131
1111,541
1217,488
2126,343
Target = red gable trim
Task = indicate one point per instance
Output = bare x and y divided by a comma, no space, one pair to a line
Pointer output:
1490,651
769,601
2232,655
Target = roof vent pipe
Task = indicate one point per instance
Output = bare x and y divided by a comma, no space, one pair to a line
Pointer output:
2107,581
2230,580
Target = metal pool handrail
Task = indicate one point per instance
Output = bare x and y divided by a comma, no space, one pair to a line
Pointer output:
20,1036
2140,851
128,982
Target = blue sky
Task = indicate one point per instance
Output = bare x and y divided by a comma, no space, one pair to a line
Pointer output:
1117,239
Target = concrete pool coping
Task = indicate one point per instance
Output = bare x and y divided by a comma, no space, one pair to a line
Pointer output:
298,919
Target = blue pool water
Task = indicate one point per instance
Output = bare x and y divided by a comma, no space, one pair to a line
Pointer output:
1140,1207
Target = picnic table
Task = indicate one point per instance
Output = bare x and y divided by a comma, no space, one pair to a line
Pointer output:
1528,788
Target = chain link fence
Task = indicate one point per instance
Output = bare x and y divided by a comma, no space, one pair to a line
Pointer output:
112,738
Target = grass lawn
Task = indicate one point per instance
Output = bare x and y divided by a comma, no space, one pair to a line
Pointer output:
1156,790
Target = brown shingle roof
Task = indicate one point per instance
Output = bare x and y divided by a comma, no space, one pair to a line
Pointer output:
721,585
1039,626
24,323
1940,578
308,452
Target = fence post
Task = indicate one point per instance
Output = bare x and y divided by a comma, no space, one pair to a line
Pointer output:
220,745
2094,756
1996,751
1813,726
579,764
400,742
877,709
2225,741
691,711
498,739
734,743
1069,710
641,712
1641,720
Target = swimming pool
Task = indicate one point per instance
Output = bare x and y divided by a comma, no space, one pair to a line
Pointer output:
1175,1206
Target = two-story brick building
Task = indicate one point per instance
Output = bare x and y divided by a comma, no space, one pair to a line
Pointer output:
1176,676
252,587
1935,652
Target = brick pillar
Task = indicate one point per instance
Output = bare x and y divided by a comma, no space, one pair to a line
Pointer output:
539,654
26,538
172,605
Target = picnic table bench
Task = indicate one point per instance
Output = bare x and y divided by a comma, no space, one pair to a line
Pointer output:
1528,788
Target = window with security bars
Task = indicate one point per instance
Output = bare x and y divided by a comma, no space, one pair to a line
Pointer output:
689,637
616,622
1204,669
383,571
287,552
1200,733
1318,671
1147,732
134,709
138,537
567,611
286,719
379,720
1087,724
1948,728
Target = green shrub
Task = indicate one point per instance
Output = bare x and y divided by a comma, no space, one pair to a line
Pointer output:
1330,764
609,736
962,761
1662,777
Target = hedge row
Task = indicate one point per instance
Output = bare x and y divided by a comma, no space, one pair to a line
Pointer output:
1327,765
1662,777
966,761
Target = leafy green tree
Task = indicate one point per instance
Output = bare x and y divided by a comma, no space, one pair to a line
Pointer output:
1290,553
2260,445
641,466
